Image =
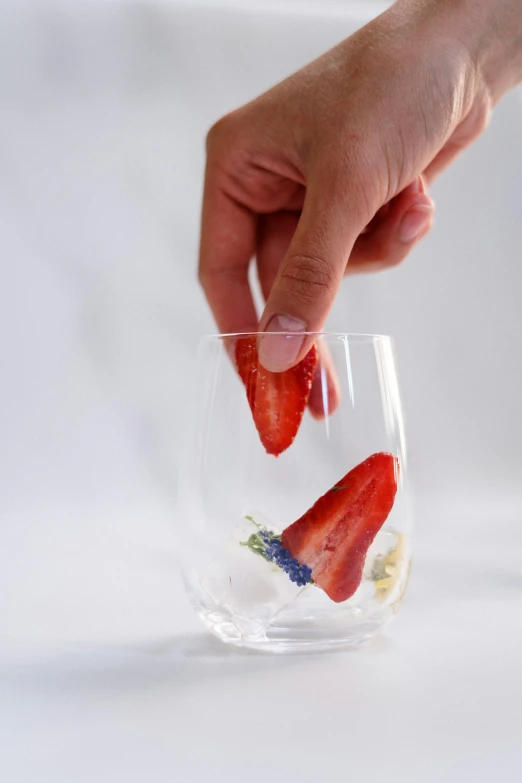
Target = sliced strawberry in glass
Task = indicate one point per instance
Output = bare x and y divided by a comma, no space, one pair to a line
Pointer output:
333,536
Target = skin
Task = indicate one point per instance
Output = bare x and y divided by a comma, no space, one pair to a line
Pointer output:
326,173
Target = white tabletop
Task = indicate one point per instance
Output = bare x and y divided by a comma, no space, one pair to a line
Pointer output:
136,691
105,673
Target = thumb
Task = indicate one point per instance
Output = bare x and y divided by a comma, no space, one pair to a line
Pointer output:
310,275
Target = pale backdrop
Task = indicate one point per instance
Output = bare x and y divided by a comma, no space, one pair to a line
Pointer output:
104,108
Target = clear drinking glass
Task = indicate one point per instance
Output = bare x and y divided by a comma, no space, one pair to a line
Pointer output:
231,489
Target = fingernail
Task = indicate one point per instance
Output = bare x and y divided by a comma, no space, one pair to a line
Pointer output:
415,222
278,352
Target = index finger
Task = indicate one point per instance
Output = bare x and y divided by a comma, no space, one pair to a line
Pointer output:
228,232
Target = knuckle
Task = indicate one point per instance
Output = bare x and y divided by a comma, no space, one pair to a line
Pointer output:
387,257
393,260
208,277
309,276
215,132
220,131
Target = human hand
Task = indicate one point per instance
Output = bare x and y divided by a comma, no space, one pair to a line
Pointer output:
324,174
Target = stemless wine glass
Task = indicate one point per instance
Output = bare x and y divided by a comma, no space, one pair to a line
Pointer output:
235,498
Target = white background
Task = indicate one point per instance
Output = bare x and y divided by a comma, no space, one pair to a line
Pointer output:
105,674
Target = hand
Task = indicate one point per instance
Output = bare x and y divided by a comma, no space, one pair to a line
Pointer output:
324,174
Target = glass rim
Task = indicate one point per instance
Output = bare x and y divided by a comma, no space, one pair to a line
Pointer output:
362,336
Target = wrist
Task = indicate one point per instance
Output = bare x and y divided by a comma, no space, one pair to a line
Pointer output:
491,32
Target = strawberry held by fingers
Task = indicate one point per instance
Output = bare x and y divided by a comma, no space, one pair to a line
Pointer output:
277,399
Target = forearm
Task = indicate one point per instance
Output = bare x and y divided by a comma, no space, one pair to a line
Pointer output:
490,30
502,44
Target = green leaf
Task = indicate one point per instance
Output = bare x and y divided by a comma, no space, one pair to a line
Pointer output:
256,545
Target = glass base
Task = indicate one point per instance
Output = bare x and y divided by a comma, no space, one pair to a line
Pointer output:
262,610
280,639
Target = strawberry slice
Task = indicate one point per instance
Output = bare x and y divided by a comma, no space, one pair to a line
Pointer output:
332,538
277,399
